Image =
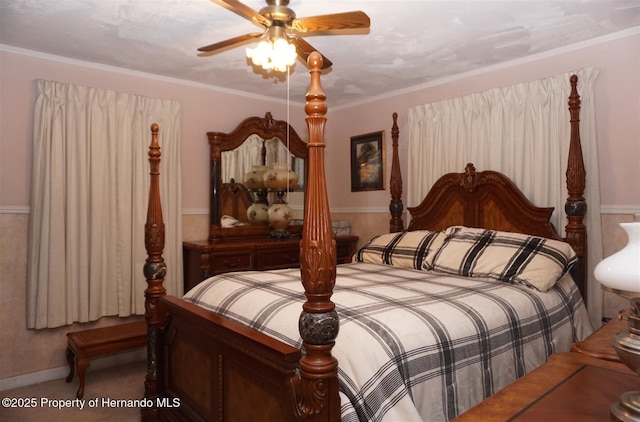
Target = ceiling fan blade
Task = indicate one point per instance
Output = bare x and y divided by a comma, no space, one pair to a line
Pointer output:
303,49
214,48
245,11
348,20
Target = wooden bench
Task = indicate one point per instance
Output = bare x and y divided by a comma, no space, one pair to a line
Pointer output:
84,345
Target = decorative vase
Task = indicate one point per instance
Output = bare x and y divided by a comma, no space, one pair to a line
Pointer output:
621,271
258,214
254,178
280,216
279,176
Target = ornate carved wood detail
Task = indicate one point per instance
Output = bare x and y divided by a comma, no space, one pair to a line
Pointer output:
576,206
470,179
478,196
318,387
265,127
395,184
154,272
317,398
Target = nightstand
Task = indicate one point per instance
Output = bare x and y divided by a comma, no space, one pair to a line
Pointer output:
599,344
570,387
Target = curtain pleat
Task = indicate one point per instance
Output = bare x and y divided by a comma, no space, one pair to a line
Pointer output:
522,131
90,184
237,162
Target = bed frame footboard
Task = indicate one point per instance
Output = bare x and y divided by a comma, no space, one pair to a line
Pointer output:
213,369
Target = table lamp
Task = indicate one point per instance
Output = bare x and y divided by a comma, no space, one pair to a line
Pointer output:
620,272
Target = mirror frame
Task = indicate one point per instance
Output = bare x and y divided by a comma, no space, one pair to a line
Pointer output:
265,127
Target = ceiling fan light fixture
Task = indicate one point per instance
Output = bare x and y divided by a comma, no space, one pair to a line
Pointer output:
275,55
283,33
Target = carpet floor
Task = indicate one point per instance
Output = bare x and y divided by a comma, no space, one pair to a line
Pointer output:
108,396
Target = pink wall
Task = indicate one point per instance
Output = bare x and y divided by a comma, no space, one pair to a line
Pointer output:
203,109
617,102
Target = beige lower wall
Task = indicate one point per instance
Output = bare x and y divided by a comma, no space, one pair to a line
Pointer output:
27,351
364,225
195,227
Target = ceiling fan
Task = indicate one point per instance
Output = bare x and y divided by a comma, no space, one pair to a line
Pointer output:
279,21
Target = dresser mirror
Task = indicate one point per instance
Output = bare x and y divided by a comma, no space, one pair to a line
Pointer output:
255,141
252,152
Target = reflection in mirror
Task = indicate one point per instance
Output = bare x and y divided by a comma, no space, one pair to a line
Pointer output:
253,152
233,155
237,162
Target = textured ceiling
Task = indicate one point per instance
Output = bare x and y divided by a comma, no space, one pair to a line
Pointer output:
410,43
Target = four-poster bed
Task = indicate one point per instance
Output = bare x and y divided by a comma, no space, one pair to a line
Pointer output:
219,365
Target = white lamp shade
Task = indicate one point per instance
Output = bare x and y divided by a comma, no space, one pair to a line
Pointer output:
277,55
621,271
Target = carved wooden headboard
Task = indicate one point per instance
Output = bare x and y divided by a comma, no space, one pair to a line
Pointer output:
490,200
486,199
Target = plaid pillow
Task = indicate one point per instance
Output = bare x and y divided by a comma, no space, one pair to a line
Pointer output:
536,262
403,249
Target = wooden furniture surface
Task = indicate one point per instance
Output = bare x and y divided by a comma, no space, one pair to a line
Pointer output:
570,387
203,259
599,344
224,371
84,345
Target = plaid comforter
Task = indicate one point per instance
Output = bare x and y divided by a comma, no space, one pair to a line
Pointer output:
413,345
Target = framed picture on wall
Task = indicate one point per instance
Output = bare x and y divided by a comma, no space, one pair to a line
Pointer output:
367,162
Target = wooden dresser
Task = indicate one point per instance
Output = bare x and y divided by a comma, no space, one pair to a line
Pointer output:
576,386
202,259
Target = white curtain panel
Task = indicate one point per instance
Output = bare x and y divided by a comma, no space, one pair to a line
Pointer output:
89,194
522,131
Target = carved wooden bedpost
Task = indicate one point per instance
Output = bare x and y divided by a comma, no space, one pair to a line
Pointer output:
155,270
576,207
395,184
318,398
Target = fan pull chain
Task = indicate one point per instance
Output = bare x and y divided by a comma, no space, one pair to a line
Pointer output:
288,125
